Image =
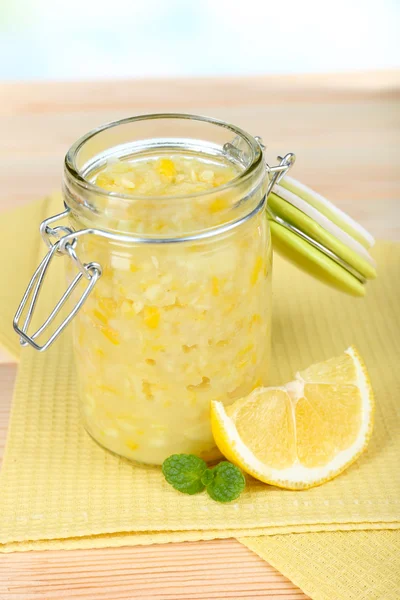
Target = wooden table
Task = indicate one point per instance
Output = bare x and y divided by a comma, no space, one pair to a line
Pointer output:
345,130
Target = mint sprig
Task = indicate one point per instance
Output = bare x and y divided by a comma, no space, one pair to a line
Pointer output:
184,471
227,483
189,474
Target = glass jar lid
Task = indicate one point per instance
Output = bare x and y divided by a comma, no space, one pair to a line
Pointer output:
320,238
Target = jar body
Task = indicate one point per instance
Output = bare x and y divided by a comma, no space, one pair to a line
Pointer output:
168,329
181,314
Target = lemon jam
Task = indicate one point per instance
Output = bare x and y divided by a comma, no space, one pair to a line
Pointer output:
169,327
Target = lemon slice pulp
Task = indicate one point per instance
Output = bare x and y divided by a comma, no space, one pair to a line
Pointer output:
305,432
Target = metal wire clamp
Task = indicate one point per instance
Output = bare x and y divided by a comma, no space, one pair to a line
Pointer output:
91,271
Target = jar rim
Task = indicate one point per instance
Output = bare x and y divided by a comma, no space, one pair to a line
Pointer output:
75,173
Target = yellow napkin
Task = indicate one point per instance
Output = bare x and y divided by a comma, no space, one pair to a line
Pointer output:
59,490
21,246
355,565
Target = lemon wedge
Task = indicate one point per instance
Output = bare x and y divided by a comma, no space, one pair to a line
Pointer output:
304,433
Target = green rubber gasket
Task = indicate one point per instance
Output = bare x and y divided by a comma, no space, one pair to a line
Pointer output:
314,230
313,261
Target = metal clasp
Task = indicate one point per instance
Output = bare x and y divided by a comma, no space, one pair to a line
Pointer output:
279,171
91,271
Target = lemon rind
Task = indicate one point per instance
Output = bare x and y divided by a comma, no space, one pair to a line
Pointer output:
297,476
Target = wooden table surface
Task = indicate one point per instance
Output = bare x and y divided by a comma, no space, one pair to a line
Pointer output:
345,130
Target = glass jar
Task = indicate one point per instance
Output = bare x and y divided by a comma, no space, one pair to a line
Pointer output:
178,308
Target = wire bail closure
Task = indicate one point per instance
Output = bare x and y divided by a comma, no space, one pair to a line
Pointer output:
279,171
90,271
65,244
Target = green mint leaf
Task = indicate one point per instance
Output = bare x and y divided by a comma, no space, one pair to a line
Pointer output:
189,474
184,472
228,482
208,477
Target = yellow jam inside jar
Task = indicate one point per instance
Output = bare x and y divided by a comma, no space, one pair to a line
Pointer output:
171,326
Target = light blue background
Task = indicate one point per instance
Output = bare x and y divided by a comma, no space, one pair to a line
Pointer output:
81,39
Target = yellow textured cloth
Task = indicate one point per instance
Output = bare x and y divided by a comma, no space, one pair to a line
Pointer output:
21,246
58,489
353,565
